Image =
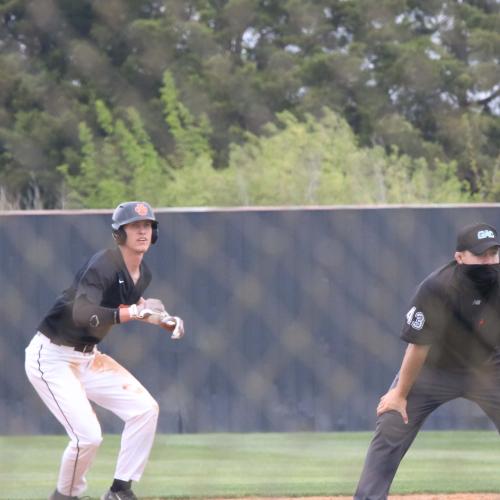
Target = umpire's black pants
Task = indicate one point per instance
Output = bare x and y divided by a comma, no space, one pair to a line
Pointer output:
431,389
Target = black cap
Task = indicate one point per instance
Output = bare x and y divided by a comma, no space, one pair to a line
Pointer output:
477,238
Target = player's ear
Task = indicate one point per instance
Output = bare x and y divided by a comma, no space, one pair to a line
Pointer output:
459,257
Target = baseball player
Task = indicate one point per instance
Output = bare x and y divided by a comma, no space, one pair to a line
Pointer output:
68,372
453,330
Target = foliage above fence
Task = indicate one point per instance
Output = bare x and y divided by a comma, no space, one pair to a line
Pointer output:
187,83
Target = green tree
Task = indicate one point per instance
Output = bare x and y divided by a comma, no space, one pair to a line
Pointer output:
191,136
122,165
417,77
320,162
200,185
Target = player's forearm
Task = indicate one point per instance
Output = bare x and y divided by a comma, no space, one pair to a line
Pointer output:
413,361
86,314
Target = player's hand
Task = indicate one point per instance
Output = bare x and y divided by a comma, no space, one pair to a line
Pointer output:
173,324
392,401
151,306
149,310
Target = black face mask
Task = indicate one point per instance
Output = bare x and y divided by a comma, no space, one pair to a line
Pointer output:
484,277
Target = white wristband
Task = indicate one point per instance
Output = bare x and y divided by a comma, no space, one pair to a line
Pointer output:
132,310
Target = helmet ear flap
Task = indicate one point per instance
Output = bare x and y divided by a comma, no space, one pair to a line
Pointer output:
155,233
120,236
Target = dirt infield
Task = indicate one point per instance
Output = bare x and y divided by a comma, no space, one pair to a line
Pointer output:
432,496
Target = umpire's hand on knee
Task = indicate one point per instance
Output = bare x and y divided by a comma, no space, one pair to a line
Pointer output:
393,401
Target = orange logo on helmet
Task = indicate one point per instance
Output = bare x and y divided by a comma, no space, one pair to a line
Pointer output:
141,209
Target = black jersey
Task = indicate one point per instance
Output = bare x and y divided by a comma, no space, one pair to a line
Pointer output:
85,312
461,324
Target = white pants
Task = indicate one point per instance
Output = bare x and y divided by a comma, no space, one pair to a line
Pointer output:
67,380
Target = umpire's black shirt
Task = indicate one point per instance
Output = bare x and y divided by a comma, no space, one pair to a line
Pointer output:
85,312
459,322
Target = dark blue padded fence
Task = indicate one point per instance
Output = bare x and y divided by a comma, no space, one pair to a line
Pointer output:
292,316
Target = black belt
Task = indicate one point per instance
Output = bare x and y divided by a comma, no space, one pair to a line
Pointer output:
86,348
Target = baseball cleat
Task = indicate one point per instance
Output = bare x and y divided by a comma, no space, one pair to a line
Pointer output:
119,495
59,496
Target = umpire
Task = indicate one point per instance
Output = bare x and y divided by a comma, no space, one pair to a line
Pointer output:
453,330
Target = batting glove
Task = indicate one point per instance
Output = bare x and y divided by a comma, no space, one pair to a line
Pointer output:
173,324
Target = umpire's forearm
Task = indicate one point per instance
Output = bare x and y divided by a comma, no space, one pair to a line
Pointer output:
411,365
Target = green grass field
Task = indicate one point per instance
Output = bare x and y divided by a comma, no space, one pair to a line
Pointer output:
298,464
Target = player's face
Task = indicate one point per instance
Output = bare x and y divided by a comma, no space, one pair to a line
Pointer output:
139,235
491,256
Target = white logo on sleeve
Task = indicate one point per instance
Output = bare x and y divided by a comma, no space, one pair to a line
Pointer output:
415,319
94,321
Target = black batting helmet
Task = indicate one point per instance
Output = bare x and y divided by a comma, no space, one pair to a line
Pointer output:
132,211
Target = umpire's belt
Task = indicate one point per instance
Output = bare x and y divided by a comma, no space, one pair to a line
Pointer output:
78,347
